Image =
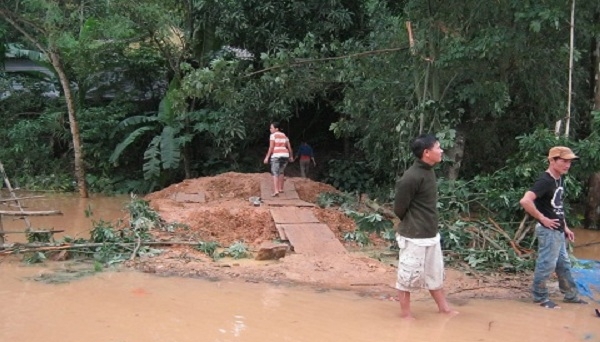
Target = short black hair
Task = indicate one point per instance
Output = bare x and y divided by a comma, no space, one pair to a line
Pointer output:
276,124
421,143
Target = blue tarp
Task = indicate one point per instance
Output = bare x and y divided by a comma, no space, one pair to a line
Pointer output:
586,274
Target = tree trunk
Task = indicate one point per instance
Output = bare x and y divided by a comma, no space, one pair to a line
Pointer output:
77,149
597,74
592,209
455,154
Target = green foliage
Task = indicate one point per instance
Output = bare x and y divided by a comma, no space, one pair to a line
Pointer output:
336,199
237,250
370,222
39,236
464,241
350,175
360,237
34,258
209,248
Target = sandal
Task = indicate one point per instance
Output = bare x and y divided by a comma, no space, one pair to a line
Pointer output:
275,194
549,305
575,301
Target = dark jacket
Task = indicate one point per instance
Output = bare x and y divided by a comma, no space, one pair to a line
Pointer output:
416,202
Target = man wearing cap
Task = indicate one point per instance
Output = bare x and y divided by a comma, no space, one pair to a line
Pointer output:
544,202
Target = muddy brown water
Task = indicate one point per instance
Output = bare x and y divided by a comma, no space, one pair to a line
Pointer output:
128,306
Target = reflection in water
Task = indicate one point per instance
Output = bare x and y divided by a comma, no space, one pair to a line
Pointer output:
589,240
73,221
130,306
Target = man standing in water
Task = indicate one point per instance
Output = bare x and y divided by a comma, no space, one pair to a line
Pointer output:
544,202
420,263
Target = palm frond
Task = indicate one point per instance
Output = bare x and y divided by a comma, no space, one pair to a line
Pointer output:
132,137
135,120
170,149
152,157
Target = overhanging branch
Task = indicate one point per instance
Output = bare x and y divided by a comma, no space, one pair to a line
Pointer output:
308,61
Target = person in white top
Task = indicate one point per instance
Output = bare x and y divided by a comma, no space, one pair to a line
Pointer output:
279,153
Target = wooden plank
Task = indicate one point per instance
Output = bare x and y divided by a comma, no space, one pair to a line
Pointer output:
281,232
184,197
293,215
30,213
266,188
275,202
313,238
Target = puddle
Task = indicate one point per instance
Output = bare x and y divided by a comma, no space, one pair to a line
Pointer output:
131,306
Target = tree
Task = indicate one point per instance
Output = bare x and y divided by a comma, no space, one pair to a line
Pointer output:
43,24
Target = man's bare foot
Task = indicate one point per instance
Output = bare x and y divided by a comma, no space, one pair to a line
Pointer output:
407,317
449,312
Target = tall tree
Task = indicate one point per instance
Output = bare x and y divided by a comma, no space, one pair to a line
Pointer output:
43,24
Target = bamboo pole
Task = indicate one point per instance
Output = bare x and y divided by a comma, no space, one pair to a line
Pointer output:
12,194
570,90
30,213
6,249
2,200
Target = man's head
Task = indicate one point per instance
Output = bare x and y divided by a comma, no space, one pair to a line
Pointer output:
427,148
560,158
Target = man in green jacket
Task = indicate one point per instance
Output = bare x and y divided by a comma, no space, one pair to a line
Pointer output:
421,263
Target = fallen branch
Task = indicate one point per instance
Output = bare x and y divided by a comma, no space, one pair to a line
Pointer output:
308,61
587,244
138,244
30,213
486,238
18,198
496,227
382,210
371,284
6,249
2,232
521,228
486,287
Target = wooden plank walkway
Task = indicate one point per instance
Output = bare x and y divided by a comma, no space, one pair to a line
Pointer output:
184,197
300,215
313,238
296,223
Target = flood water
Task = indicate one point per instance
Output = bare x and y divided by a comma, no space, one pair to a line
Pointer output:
128,306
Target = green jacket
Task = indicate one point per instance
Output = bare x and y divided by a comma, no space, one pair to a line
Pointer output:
416,202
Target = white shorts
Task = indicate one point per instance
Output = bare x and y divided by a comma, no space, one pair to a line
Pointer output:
420,267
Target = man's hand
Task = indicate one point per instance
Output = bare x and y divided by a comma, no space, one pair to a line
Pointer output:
549,223
569,234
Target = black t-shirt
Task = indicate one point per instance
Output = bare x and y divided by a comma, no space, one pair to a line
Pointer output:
549,198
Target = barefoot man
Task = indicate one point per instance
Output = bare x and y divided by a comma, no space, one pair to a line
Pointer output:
421,263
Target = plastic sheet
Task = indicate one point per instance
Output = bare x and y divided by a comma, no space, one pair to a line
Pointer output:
586,274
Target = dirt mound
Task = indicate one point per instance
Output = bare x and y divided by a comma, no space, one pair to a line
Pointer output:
224,213
218,209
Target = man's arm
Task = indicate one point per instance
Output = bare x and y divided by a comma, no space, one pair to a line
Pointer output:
529,206
405,191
